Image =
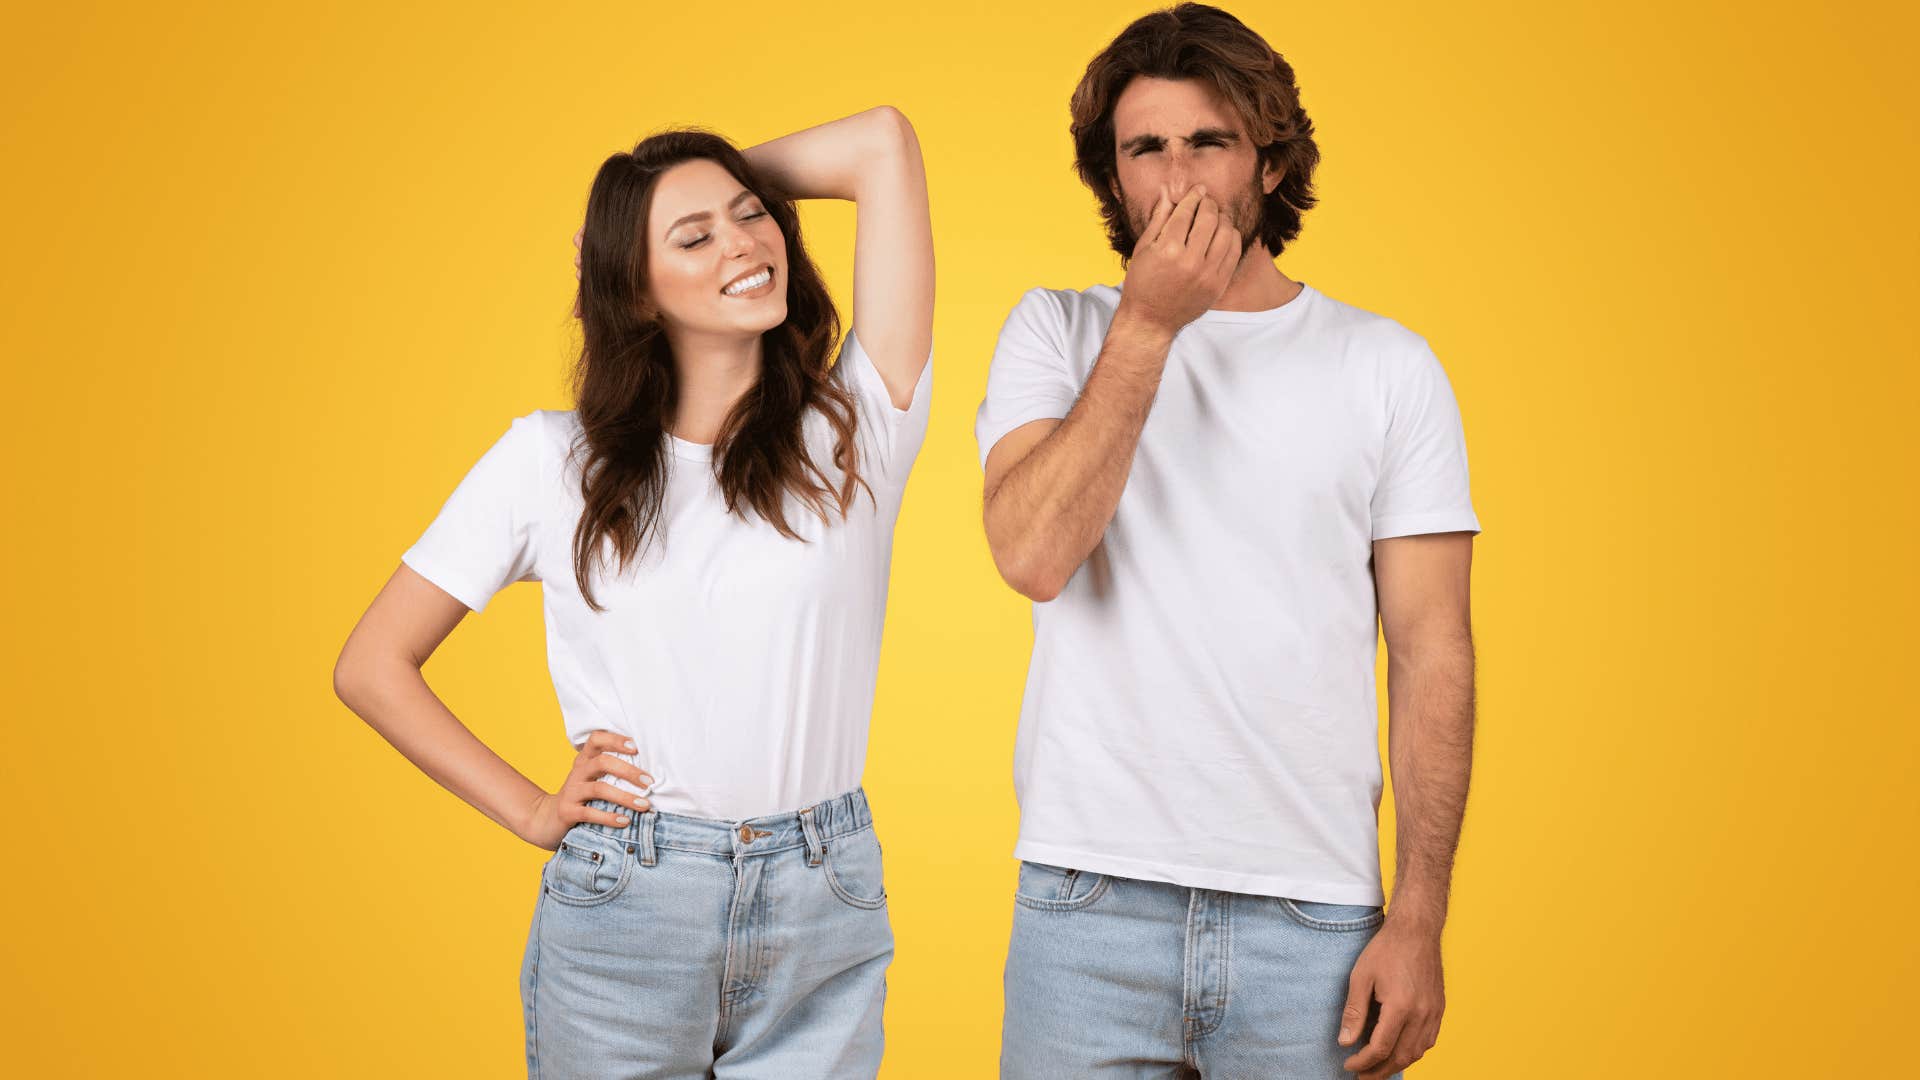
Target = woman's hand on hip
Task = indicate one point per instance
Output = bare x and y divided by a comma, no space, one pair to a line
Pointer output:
555,813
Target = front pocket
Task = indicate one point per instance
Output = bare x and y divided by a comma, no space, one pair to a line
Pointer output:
1056,888
852,866
1316,915
588,868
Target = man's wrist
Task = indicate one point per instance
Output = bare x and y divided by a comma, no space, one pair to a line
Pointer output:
1415,914
1141,330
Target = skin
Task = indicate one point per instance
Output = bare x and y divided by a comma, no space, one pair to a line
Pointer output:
872,158
1052,486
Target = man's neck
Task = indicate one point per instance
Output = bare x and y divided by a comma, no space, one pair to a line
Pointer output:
1257,285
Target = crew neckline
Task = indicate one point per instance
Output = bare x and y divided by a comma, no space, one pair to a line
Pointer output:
690,451
1288,310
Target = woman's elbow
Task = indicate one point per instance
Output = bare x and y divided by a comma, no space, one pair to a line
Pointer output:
895,130
355,675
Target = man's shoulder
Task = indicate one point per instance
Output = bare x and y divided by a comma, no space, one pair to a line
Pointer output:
1372,331
1068,304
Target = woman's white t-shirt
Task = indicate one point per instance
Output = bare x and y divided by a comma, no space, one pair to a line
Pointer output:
740,662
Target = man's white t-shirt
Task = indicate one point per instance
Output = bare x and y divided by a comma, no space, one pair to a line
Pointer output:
740,662
1200,704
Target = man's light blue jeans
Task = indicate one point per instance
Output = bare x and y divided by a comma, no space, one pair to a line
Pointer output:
1109,978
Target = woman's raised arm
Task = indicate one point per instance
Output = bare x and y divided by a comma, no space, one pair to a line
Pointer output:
873,159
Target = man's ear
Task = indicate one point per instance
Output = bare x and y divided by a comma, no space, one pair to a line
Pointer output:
1113,185
1270,174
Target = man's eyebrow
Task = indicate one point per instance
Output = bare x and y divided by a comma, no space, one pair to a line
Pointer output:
1224,136
705,215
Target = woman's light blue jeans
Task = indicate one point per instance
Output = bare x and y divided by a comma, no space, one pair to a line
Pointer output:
681,947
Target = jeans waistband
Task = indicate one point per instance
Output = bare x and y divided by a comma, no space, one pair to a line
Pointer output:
808,827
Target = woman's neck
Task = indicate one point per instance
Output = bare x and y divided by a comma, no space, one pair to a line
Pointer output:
712,374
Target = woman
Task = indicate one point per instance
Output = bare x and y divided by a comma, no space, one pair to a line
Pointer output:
713,526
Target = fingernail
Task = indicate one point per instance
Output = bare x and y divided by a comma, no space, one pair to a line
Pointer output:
621,820
630,746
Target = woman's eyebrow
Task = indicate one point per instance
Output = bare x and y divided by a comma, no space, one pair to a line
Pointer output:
704,215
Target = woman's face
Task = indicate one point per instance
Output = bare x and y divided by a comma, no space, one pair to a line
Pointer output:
716,260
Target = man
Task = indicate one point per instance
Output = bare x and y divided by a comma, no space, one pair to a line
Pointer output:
1212,481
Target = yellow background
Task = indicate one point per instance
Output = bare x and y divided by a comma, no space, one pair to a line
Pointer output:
276,277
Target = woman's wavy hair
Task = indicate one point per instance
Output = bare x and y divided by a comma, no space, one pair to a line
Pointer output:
625,385
1195,41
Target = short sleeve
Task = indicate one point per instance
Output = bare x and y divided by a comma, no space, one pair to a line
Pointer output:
486,535
892,434
1422,486
1030,377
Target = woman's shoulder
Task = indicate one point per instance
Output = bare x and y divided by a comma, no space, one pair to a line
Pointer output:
545,431
538,443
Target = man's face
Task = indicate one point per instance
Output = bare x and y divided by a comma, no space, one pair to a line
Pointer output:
1178,133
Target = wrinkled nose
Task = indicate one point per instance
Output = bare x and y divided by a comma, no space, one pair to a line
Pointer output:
1179,178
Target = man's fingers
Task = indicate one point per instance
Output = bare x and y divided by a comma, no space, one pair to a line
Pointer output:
1386,1033
1205,217
1181,221
1224,250
580,237
1156,221
1359,996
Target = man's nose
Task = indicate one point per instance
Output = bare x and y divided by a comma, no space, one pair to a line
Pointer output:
1179,179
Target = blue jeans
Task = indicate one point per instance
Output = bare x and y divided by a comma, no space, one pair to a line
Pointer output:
1109,978
679,947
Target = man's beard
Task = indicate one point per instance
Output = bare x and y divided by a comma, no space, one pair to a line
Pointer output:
1245,213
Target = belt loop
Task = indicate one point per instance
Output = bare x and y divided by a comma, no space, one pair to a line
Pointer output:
647,856
816,850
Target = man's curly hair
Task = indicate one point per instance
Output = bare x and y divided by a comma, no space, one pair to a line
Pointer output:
1195,41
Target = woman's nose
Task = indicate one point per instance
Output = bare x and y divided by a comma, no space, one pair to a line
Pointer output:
736,242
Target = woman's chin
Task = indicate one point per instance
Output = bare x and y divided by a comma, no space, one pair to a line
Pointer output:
765,317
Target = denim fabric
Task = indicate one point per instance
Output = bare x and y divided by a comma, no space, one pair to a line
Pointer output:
1108,978
680,947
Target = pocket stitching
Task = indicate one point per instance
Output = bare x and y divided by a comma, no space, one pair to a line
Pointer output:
839,890
1365,922
1039,904
619,885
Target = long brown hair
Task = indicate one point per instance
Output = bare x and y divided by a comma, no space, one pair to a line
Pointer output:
1195,41
625,385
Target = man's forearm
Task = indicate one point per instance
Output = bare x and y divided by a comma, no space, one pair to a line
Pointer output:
1051,509
1430,745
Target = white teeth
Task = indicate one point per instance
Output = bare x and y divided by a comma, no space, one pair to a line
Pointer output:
744,284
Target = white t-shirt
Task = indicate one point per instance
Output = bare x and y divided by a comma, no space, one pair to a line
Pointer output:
740,662
1200,704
